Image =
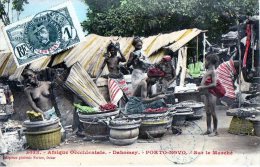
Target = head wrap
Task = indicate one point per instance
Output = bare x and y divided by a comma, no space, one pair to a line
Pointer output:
166,58
155,72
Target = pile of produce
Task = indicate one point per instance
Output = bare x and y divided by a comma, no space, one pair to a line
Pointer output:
85,109
34,116
156,110
107,107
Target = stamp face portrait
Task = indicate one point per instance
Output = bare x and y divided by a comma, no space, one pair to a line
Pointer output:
45,34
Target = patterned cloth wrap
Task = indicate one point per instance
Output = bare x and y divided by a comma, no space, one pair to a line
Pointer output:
117,86
218,91
51,114
136,106
226,74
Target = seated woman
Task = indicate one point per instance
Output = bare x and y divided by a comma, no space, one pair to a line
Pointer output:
142,97
39,94
138,61
170,75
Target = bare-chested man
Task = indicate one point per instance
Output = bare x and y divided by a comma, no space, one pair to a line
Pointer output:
116,83
142,95
39,95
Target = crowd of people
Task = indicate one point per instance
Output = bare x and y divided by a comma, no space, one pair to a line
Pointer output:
217,82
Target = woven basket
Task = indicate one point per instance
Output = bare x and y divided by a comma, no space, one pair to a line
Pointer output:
241,126
44,139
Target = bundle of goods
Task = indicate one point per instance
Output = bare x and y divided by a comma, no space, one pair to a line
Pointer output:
34,116
42,134
243,112
10,125
82,85
108,107
124,131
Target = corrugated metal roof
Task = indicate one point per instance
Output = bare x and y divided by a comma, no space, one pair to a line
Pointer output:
90,52
3,42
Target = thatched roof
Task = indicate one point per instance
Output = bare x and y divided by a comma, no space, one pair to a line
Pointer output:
90,51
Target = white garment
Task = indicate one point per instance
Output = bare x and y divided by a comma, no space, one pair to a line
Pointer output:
137,76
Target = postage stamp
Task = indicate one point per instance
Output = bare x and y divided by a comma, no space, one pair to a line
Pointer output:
45,34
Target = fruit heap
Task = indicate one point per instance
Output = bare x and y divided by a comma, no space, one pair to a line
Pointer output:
107,107
161,109
34,116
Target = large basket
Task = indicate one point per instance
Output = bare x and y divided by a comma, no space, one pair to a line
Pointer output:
44,139
241,126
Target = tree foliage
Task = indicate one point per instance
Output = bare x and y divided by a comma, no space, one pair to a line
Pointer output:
17,5
149,17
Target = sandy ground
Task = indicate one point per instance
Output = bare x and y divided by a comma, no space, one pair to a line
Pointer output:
190,148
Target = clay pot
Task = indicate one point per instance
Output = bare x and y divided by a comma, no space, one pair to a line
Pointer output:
122,142
124,131
124,134
154,127
95,128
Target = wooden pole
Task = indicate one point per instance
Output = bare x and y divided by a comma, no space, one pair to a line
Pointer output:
204,47
239,54
197,49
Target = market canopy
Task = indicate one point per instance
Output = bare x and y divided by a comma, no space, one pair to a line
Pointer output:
91,50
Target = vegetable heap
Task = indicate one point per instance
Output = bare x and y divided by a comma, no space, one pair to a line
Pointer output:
161,109
85,109
107,107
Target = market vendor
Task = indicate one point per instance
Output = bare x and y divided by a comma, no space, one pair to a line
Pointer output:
39,94
138,61
142,97
116,83
170,75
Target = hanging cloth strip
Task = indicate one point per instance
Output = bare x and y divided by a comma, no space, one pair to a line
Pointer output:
248,42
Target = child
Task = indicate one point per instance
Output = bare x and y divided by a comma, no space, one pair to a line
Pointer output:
212,88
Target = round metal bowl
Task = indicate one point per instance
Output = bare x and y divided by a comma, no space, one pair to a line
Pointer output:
124,121
41,125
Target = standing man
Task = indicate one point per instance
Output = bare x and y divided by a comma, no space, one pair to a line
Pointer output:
116,83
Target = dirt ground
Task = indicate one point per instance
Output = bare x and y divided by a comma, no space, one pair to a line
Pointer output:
189,148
